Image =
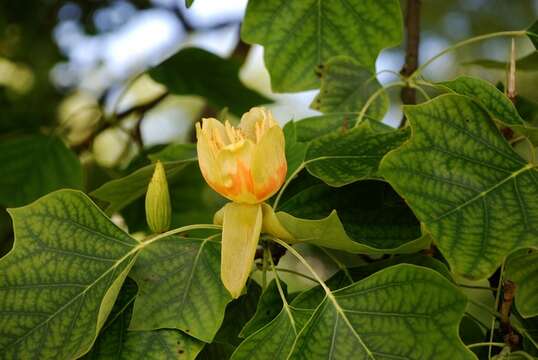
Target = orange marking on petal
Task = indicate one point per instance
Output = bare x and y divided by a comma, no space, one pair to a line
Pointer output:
273,183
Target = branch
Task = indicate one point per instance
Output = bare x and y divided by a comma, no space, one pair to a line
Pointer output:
412,26
509,291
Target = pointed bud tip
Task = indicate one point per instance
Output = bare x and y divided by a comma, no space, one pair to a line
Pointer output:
158,206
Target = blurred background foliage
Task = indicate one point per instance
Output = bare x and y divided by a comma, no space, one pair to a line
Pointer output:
89,88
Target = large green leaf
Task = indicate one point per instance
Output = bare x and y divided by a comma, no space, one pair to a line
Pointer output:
346,86
364,217
195,71
115,342
495,103
34,165
59,282
180,287
476,196
121,192
522,269
298,36
341,158
402,312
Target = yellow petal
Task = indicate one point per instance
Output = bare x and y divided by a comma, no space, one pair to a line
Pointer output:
242,224
272,226
269,165
257,117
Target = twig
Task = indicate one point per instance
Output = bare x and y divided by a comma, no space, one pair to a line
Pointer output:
509,290
412,25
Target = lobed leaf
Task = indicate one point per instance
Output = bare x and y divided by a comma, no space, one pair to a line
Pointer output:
180,287
59,282
115,342
298,36
495,103
475,195
346,86
522,269
364,217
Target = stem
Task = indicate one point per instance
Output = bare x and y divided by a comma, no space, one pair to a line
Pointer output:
328,293
281,292
464,43
374,96
486,344
412,25
296,273
182,230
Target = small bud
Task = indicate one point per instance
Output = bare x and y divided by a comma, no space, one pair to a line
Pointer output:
158,207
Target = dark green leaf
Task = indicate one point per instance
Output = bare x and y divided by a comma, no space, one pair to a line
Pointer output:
34,165
295,150
476,196
180,287
198,72
115,342
268,307
298,36
522,269
238,313
341,158
364,217
60,281
532,33
387,316
346,86
494,102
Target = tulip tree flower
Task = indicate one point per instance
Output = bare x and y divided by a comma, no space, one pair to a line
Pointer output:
247,165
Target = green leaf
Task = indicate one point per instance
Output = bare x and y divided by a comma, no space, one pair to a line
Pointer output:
115,342
34,165
59,282
526,63
273,341
121,192
404,311
238,313
341,158
522,269
494,102
180,287
295,150
476,196
364,217
188,3
346,86
268,307
195,71
313,127
298,36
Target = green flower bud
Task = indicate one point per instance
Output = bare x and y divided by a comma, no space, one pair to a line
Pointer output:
158,207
